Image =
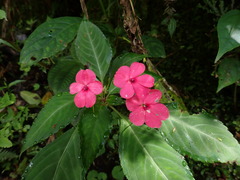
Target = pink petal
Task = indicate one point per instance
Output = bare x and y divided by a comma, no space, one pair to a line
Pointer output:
90,99
121,77
137,117
75,88
153,97
159,110
133,103
154,123
85,76
80,99
127,91
136,69
145,80
155,114
140,91
96,87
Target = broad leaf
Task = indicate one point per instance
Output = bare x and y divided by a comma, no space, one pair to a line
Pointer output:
58,112
58,160
94,128
93,49
228,72
125,59
48,39
228,29
145,155
201,137
155,47
63,74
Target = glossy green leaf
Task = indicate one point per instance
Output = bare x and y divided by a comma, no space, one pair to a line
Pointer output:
125,59
48,39
201,137
228,29
228,72
154,47
58,160
94,128
30,97
63,74
93,49
145,155
58,112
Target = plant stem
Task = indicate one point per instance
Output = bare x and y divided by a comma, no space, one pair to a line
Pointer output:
84,8
116,111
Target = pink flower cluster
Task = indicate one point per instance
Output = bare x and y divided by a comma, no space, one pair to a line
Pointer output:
142,101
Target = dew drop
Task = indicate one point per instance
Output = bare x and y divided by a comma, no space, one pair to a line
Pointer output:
30,164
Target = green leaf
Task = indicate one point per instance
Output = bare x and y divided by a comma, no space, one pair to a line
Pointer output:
125,59
94,128
5,142
228,72
63,74
58,112
94,175
9,45
115,100
3,14
58,160
113,89
4,155
48,39
154,46
7,100
117,173
201,137
145,155
93,49
30,98
172,26
228,29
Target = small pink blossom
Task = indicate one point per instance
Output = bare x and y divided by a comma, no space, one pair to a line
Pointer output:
147,109
86,88
130,81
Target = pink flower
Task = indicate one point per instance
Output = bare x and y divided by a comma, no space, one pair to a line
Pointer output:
147,109
86,87
130,81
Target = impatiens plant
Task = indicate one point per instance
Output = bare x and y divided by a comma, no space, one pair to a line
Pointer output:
96,93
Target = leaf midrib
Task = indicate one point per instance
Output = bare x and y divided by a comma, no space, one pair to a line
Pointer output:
146,151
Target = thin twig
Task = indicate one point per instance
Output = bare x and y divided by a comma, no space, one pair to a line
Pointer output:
84,8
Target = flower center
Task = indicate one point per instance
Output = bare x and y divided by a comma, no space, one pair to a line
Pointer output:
132,80
85,88
145,106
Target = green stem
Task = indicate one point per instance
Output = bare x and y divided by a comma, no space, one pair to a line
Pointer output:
116,111
103,8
